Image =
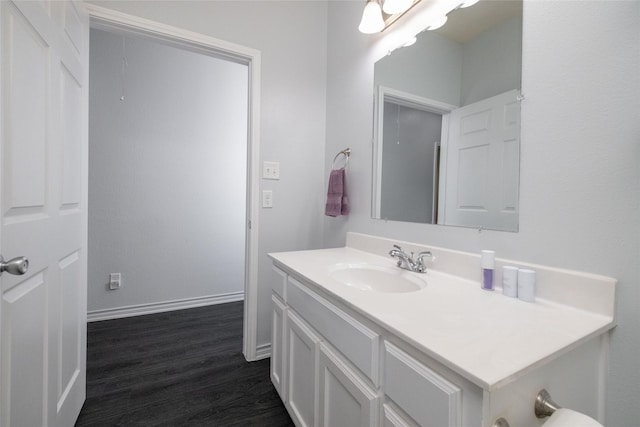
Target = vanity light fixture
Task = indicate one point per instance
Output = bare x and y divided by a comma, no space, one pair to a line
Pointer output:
391,7
372,21
379,14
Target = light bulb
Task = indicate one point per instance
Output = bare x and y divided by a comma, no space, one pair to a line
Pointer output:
371,18
468,3
438,23
410,42
392,7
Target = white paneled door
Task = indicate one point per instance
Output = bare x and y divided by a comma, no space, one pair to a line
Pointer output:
482,167
43,211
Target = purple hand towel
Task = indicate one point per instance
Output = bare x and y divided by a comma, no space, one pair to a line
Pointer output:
337,201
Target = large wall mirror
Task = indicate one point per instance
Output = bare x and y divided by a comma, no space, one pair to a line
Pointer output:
447,122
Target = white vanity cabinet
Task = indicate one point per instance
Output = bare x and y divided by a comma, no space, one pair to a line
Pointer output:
278,331
344,398
277,347
340,369
447,355
301,348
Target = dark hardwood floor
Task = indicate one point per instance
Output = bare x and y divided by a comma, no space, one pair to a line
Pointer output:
181,368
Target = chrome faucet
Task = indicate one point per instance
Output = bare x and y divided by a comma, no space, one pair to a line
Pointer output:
406,261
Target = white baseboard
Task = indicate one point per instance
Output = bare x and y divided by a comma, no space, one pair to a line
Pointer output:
160,307
263,351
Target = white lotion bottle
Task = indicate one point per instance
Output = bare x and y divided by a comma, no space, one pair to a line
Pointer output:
527,285
510,281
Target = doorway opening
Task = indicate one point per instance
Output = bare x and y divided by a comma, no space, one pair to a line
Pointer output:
171,168
411,133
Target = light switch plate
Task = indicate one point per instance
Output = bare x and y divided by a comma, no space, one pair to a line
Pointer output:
115,281
271,170
267,198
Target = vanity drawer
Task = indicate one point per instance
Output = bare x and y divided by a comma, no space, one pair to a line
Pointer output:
279,282
355,341
423,394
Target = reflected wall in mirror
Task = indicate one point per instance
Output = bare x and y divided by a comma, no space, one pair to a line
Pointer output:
447,122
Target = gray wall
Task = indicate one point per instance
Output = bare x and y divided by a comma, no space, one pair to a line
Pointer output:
167,173
580,180
292,37
491,63
438,68
431,68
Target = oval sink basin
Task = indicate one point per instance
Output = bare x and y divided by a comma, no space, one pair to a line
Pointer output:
369,277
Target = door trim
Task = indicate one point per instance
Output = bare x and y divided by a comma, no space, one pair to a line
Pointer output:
405,99
104,18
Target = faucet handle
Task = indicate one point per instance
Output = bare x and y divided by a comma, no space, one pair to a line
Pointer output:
420,267
396,252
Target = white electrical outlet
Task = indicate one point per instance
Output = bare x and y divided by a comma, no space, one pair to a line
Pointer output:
271,170
267,198
115,281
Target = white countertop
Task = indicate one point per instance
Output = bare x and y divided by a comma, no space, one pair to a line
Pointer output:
488,338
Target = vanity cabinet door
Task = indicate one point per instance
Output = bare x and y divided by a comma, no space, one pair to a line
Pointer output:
302,371
427,397
344,398
278,320
392,418
279,283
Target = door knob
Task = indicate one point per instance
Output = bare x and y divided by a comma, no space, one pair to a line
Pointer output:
18,265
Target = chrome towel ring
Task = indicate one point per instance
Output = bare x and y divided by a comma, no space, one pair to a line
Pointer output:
346,153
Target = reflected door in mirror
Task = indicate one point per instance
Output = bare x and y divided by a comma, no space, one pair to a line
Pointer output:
482,164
